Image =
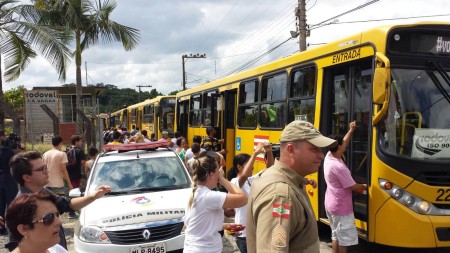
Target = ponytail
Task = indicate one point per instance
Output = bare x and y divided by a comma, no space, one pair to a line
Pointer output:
201,168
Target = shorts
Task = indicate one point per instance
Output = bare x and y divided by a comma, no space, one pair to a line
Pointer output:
343,229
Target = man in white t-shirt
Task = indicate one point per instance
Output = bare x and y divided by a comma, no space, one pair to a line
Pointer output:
56,161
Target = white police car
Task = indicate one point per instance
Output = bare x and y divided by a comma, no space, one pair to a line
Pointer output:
144,211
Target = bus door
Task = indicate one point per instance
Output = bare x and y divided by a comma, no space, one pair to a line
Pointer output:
347,97
229,112
183,117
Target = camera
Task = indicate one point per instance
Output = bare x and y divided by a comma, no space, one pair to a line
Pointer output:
12,141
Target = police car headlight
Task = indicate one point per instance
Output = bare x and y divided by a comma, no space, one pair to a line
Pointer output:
93,234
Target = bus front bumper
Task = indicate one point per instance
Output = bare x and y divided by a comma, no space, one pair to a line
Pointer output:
397,225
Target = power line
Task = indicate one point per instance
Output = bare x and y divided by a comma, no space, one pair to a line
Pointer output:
344,13
220,23
248,64
385,19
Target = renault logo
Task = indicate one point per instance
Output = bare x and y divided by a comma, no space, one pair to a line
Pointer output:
146,234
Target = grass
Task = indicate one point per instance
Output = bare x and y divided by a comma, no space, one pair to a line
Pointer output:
38,147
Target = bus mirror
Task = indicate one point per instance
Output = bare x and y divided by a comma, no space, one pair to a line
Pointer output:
381,79
158,111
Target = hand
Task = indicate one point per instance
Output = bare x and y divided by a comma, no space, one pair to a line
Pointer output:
268,147
222,174
101,191
221,141
311,182
361,190
260,148
352,126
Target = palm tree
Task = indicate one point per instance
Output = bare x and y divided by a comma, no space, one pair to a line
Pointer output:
20,38
89,23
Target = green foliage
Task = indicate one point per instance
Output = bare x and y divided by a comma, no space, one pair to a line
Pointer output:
15,96
38,147
173,92
21,38
113,99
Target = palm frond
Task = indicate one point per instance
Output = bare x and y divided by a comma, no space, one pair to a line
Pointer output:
47,41
17,54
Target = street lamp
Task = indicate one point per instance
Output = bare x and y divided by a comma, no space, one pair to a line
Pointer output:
183,62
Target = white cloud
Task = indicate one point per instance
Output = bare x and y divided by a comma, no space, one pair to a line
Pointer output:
220,29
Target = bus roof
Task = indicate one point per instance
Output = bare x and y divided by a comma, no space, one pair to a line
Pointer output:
375,35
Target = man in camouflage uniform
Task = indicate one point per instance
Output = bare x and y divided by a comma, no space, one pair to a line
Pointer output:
279,214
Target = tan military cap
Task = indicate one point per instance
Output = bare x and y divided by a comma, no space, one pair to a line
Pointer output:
302,130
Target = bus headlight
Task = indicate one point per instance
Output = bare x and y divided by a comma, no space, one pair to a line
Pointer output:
397,193
410,200
423,207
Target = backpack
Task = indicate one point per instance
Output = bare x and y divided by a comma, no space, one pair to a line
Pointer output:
71,157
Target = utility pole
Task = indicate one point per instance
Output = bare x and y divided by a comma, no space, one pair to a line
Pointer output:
183,60
300,12
139,86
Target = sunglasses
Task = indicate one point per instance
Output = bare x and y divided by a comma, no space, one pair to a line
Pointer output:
43,168
48,219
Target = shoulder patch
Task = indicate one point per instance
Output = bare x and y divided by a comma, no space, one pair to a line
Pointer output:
281,210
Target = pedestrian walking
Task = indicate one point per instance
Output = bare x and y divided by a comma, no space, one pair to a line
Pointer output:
338,196
56,161
75,164
279,214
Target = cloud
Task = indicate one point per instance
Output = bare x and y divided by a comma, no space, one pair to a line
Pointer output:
230,33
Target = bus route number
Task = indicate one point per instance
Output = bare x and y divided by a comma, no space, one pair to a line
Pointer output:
443,195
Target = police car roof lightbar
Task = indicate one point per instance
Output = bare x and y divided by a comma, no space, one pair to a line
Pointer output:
135,146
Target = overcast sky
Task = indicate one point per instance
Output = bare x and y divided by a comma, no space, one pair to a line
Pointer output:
230,33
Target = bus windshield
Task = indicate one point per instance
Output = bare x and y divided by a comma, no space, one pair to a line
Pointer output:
417,124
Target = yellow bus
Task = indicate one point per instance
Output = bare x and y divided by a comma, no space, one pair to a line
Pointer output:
118,119
154,115
394,81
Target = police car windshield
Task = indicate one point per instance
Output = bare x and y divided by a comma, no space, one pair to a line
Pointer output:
130,176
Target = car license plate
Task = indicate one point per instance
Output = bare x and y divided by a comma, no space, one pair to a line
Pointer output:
155,248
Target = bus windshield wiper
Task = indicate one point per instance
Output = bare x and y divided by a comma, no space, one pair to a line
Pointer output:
436,80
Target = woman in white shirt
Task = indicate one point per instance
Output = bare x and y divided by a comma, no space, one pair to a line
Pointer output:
204,212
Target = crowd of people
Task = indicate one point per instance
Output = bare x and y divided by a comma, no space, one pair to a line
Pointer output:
271,208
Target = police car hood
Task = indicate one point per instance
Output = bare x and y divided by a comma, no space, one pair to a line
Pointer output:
136,208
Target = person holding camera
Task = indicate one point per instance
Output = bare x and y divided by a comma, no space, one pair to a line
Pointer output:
8,187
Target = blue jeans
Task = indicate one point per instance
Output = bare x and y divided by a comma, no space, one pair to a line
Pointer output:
242,244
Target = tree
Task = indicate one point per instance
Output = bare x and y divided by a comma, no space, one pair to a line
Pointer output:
14,97
20,38
173,92
88,21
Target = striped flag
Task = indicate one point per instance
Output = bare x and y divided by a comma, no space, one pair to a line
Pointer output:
280,210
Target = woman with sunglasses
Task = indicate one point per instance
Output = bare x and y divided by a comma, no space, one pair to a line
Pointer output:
33,221
204,213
